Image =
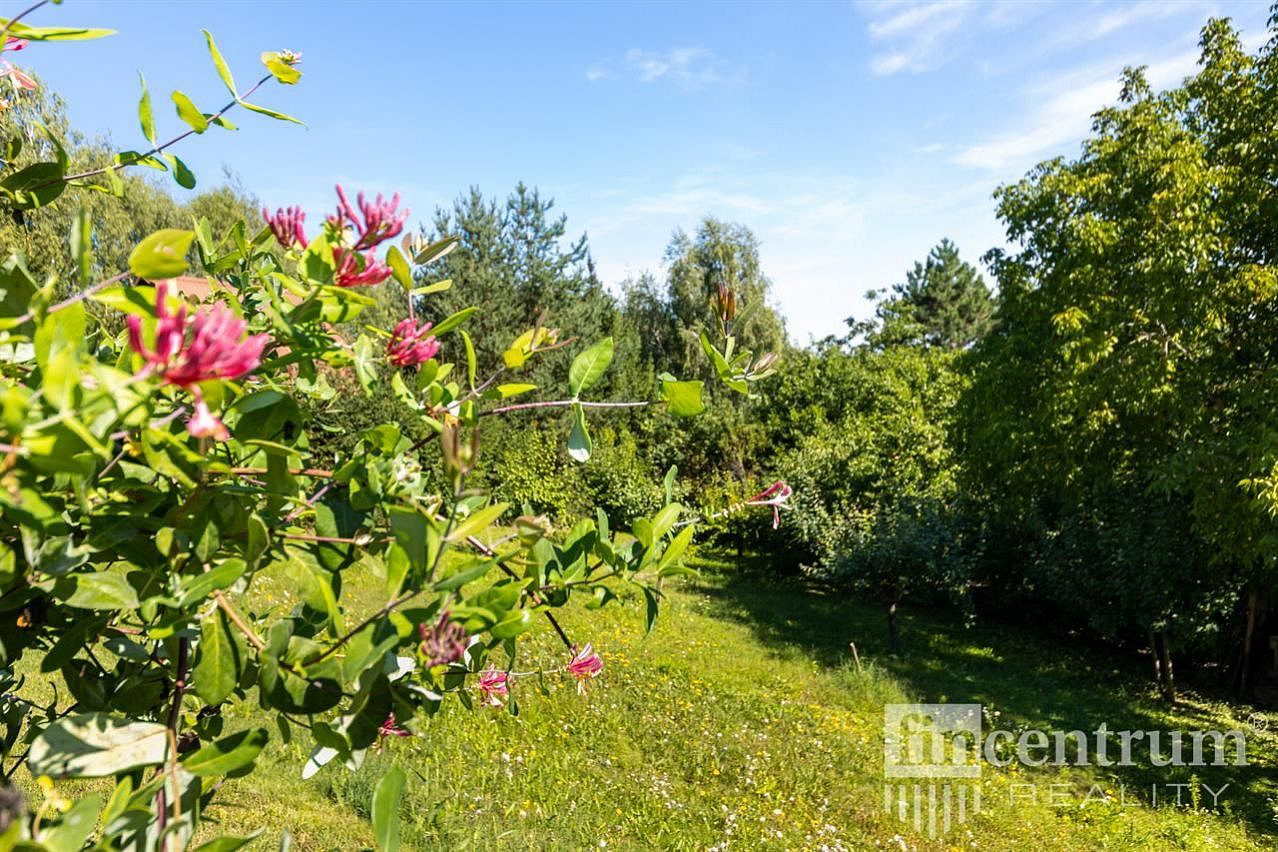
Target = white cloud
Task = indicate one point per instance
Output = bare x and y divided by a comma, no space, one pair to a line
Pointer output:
597,72
1066,107
824,240
915,35
689,66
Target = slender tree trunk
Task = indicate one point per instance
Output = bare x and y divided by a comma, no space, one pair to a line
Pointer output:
1156,658
1249,635
1167,684
894,630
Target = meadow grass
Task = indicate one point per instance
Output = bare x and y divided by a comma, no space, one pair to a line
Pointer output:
742,721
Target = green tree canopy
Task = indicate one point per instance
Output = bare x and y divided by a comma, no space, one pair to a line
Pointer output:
942,303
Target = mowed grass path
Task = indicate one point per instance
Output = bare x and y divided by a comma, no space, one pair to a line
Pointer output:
741,722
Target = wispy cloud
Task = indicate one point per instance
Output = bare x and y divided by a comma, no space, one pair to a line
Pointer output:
1066,106
690,67
914,35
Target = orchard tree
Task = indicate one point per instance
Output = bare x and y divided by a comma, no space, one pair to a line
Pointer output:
1134,353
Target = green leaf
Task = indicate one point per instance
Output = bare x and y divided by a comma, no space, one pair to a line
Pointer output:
386,810
217,663
229,844
579,445
184,176
270,112
81,242
145,117
470,356
589,366
280,70
452,321
21,30
199,587
75,827
189,112
16,288
94,745
37,184
437,287
436,250
409,528
220,64
162,255
675,551
103,590
227,754
683,399
515,389
399,268
476,522
664,520
138,300
59,345
512,625
463,576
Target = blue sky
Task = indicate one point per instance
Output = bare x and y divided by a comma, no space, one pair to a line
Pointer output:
850,137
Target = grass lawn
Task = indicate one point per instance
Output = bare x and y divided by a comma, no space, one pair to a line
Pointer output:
741,722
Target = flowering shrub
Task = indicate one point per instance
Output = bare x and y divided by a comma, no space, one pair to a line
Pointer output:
151,477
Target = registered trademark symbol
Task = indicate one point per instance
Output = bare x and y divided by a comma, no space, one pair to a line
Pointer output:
1258,722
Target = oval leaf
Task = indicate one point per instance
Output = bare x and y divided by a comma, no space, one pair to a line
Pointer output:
161,255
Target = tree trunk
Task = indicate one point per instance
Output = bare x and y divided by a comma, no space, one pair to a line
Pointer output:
1249,636
894,631
1157,660
1166,683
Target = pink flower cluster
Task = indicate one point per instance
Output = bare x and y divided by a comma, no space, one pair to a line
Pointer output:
410,344
373,221
20,79
585,665
492,686
287,226
216,349
775,495
443,642
391,728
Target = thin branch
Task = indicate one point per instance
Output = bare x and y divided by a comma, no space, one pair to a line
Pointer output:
238,621
318,473
115,167
78,297
561,403
554,622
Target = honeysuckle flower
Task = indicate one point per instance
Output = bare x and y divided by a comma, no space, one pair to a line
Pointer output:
775,495
354,269
287,226
390,728
411,344
20,78
216,349
585,665
492,685
375,221
204,423
443,642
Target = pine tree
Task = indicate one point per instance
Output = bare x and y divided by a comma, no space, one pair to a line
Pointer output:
943,303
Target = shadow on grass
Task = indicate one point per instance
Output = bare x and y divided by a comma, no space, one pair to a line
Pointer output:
1033,681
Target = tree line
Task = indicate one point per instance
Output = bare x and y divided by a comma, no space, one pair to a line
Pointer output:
1089,442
